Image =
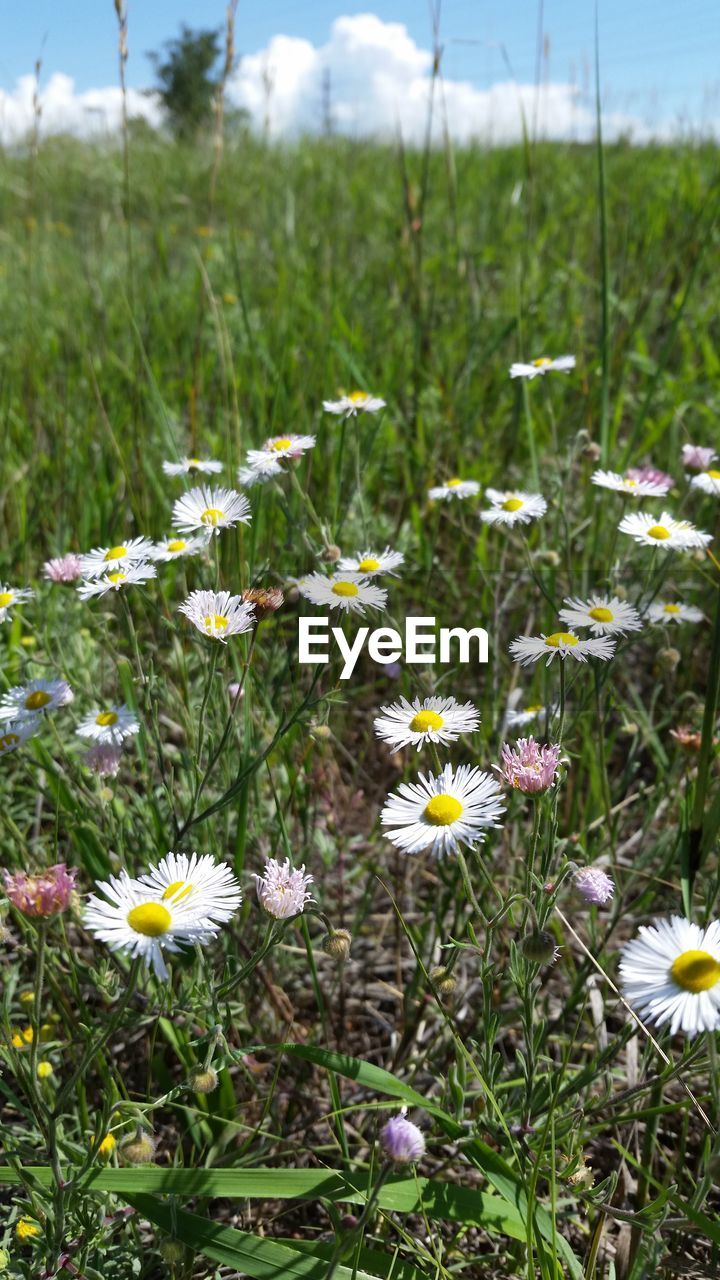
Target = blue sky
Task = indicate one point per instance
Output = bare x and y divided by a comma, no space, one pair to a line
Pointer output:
657,56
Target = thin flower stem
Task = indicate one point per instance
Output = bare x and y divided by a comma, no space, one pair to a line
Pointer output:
101,1040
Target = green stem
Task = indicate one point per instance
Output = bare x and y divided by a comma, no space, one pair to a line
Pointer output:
100,1041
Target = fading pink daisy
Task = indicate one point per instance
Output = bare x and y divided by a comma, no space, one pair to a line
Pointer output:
530,766
42,895
63,568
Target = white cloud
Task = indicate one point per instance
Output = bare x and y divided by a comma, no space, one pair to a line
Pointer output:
380,83
64,110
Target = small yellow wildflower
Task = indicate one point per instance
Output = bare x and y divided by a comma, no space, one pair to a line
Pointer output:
44,1070
107,1146
26,1229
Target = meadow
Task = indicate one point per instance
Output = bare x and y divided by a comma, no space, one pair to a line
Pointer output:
241,1113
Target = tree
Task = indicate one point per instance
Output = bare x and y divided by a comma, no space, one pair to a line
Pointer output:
187,83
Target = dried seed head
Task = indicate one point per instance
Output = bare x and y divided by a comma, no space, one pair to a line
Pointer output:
267,600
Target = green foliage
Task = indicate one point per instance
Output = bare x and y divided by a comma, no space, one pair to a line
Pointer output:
186,84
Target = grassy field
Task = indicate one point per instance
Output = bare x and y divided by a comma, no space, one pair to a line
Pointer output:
150,312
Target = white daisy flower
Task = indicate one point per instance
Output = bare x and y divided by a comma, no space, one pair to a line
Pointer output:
210,509
218,614
206,466
605,616
708,482
27,700
414,723
105,559
346,591
516,716
130,575
541,366
357,402
288,446
444,812
371,563
513,506
175,548
259,467
206,887
624,484
135,922
109,724
10,596
663,531
671,973
14,734
454,488
529,649
668,611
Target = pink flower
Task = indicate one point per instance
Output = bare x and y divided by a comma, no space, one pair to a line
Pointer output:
402,1139
42,895
64,569
697,457
282,891
649,475
594,885
104,758
529,766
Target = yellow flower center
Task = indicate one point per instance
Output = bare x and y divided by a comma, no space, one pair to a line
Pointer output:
600,614
282,443
345,589
695,971
369,565
560,637
630,484
358,397
106,718
212,515
425,720
453,484
541,362
178,890
117,576
149,918
8,741
108,1145
193,462
37,699
116,553
6,598
533,709
215,622
177,544
671,608
512,504
659,532
714,475
442,810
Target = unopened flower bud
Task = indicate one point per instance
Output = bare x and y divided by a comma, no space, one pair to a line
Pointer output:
172,1252
321,732
402,1140
550,558
336,943
331,553
443,981
539,947
140,1149
668,659
203,1080
592,451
